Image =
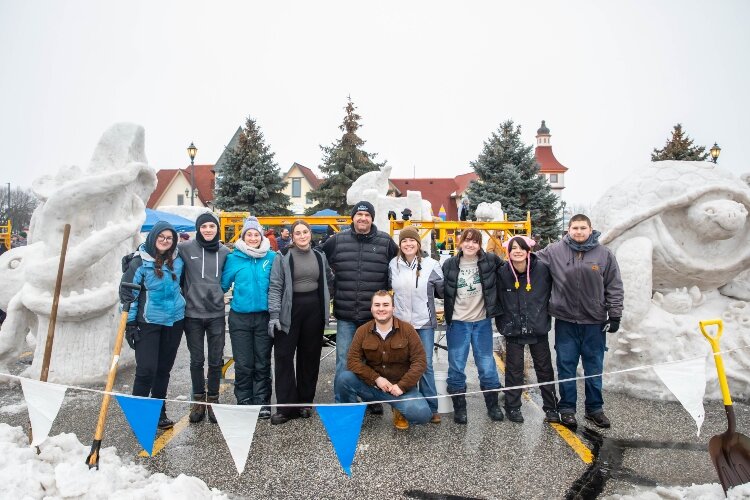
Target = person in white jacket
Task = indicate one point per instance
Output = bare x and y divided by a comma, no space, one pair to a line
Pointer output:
416,281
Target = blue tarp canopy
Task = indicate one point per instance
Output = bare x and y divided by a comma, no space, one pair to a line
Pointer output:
181,224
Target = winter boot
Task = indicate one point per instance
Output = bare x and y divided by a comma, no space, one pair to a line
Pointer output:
459,409
164,421
198,411
493,407
212,399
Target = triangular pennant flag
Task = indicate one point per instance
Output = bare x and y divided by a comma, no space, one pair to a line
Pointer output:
343,424
237,424
687,381
143,417
44,401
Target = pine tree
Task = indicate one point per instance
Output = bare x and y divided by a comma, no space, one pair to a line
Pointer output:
679,147
250,180
509,173
343,162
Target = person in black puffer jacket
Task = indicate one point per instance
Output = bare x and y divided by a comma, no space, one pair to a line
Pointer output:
471,302
525,285
359,259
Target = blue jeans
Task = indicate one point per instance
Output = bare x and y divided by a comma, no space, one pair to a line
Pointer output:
416,411
344,336
587,342
427,382
478,334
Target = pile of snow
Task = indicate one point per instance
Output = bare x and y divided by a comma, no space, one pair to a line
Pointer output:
60,471
694,492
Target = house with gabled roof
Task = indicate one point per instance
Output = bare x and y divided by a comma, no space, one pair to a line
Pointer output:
300,180
173,187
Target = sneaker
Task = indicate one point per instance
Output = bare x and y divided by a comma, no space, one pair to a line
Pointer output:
399,422
306,412
264,413
552,417
515,415
375,408
568,420
165,423
599,419
436,419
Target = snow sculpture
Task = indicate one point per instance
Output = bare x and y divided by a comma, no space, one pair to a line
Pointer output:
105,207
373,187
680,232
489,212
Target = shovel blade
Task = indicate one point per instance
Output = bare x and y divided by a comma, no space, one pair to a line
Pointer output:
730,453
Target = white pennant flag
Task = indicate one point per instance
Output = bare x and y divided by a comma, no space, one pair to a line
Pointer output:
44,401
237,424
687,381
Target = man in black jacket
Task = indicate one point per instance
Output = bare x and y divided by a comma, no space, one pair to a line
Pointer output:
359,259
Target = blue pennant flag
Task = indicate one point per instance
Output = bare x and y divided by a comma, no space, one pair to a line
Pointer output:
343,424
143,416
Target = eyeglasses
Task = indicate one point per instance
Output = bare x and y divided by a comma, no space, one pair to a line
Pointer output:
164,238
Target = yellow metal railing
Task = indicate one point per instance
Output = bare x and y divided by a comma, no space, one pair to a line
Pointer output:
5,234
231,222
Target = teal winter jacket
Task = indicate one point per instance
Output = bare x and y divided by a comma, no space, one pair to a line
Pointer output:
251,278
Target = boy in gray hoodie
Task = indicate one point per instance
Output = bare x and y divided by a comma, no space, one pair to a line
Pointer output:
204,259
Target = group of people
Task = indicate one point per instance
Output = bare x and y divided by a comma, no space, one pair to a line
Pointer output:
384,303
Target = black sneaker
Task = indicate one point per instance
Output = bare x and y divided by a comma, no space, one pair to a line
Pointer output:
165,423
599,419
306,413
552,417
375,408
515,415
264,413
569,420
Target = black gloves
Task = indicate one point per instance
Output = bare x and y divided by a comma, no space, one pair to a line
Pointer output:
612,325
132,334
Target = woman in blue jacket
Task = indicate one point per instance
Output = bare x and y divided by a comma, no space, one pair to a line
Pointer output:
157,310
249,269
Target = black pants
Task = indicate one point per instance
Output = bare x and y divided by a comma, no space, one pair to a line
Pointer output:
213,330
542,366
155,353
305,336
251,350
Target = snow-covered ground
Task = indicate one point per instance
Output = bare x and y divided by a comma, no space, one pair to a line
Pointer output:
694,492
60,471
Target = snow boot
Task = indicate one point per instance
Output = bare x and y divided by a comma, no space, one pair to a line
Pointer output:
198,411
212,399
459,409
493,408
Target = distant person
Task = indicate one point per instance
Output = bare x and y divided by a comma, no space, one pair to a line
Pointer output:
299,304
416,281
184,237
204,259
525,285
386,360
471,301
271,235
359,259
586,301
284,240
157,312
463,210
248,268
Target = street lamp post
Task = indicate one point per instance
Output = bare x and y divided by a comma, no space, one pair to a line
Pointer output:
562,205
192,151
8,183
715,152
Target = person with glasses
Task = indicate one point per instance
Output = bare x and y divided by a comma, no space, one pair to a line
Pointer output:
155,320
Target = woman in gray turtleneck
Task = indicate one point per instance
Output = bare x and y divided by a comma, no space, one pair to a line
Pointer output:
298,299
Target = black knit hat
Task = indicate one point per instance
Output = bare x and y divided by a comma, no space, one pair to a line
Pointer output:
363,206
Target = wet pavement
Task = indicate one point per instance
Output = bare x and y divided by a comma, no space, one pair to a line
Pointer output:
649,443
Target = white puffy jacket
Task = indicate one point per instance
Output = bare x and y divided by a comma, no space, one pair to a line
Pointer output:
414,296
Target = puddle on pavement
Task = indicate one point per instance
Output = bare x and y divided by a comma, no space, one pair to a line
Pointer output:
608,463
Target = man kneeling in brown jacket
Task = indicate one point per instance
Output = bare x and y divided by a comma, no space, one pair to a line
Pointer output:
385,362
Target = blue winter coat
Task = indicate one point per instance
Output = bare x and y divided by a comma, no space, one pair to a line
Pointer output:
251,277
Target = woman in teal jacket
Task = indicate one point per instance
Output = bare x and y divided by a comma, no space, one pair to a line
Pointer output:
249,269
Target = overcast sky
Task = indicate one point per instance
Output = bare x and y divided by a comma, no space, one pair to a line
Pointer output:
432,80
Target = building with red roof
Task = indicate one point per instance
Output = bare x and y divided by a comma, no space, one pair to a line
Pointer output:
173,187
440,192
549,166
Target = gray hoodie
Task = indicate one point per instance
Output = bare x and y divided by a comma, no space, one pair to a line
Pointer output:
202,285
586,286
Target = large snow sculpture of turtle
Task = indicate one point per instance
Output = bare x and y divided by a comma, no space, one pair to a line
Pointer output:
680,232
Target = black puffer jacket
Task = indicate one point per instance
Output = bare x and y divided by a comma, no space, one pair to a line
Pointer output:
525,314
360,264
488,264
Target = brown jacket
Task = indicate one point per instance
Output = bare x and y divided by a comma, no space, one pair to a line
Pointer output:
400,358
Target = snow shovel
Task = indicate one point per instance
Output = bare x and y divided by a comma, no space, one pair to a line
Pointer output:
93,459
730,451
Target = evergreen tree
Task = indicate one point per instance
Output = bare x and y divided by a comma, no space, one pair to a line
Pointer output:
679,147
250,180
509,173
343,162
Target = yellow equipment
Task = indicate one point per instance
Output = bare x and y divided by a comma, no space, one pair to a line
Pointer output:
5,235
231,222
